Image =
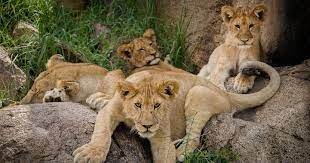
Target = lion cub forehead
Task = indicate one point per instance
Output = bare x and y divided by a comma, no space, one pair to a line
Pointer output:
243,11
147,90
141,41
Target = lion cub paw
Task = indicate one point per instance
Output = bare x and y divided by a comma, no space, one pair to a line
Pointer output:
98,100
56,95
243,83
180,152
89,153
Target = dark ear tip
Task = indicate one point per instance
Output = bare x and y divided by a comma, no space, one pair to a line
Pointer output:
261,8
168,91
125,93
250,71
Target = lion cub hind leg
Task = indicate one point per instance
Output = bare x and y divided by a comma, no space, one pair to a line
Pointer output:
201,104
98,100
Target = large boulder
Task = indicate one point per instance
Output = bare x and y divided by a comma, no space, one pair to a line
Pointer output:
279,130
50,132
12,78
283,39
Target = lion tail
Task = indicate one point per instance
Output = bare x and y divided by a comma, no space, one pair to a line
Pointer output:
243,101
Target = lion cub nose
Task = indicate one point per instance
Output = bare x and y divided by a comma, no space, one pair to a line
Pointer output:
244,40
147,126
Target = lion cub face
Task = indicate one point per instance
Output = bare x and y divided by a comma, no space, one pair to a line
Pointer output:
141,51
243,24
147,104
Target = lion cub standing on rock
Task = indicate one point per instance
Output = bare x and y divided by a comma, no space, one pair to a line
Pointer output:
242,44
65,81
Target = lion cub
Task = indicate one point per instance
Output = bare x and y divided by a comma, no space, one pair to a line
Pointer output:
141,54
242,44
64,81
168,106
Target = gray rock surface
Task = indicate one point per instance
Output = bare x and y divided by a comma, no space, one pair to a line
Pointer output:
51,132
11,76
279,130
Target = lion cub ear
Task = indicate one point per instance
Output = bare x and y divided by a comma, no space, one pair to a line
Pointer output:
54,60
260,11
126,89
227,13
71,87
124,51
168,88
150,34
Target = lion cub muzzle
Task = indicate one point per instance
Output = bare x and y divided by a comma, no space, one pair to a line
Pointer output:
55,95
147,130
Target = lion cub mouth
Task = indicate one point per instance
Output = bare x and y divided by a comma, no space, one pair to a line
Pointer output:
146,134
245,46
154,61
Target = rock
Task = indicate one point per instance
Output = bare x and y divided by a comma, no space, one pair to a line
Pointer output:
12,78
50,132
23,29
205,23
279,130
283,39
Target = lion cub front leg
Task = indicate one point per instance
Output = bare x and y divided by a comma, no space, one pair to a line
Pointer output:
200,105
98,100
97,149
219,76
243,83
163,150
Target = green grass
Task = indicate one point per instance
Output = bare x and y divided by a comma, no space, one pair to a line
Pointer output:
222,155
58,26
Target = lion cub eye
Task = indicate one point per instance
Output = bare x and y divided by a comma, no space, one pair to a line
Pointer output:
251,26
237,26
157,105
138,105
142,49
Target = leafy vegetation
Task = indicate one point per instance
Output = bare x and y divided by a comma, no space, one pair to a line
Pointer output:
59,26
222,155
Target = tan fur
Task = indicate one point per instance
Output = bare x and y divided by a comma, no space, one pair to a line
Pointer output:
142,54
139,60
78,80
242,44
165,106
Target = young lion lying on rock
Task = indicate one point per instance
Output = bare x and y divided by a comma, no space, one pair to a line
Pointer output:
165,106
64,81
